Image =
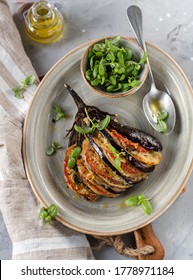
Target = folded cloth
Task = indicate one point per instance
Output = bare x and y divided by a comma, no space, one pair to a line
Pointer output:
31,238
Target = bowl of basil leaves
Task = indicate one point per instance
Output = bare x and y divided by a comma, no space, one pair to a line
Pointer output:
114,66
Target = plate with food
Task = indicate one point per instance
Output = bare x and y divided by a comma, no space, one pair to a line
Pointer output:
97,158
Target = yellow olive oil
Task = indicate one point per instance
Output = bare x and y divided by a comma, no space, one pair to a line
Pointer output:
44,23
156,106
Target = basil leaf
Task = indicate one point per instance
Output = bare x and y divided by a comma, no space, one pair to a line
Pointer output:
59,113
52,210
50,151
104,123
29,80
117,164
112,149
43,213
144,58
131,201
76,152
162,126
162,116
146,207
120,57
83,130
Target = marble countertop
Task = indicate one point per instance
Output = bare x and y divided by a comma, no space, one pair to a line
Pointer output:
168,25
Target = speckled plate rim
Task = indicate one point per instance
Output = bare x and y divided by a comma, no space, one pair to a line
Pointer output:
34,187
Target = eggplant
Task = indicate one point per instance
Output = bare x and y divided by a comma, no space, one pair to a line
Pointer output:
138,152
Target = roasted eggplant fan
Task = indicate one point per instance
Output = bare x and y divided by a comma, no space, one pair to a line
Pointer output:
104,157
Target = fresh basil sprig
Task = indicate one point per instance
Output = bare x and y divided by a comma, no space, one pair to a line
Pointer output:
161,117
53,148
113,67
19,90
73,157
117,161
59,113
94,125
139,200
47,214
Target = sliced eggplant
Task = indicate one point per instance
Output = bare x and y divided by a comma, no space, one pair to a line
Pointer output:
95,173
90,180
141,154
74,180
100,168
129,171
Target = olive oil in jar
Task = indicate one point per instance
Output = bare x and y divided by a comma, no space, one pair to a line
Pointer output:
44,23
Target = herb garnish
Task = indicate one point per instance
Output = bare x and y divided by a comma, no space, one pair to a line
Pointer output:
59,113
73,157
139,200
94,125
53,148
161,117
19,90
47,214
117,161
113,66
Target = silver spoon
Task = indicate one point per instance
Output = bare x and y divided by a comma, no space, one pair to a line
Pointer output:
155,101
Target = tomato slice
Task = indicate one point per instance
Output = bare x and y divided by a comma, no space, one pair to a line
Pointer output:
74,181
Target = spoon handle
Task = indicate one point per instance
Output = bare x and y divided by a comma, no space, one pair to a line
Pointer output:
134,16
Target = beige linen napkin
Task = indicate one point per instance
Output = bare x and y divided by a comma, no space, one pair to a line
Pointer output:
31,238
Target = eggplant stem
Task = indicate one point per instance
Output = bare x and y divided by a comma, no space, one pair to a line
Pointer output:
79,102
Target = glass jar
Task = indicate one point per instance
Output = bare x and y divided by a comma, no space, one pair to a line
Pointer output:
44,23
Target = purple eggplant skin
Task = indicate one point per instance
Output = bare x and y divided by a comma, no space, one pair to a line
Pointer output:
144,139
133,161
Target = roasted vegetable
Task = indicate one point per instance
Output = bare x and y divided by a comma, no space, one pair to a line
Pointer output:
111,157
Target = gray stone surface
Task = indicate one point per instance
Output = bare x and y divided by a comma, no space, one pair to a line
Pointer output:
168,25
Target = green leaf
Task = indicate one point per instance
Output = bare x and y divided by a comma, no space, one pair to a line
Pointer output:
110,57
71,162
104,123
113,150
128,54
134,83
131,201
52,210
125,87
95,82
29,80
162,126
59,113
56,145
53,148
19,90
141,197
146,207
83,130
50,151
115,40
76,152
48,214
101,70
88,74
162,116
120,57
117,164
113,80
43,213
144,58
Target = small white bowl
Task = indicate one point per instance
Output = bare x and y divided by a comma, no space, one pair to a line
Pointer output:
137,55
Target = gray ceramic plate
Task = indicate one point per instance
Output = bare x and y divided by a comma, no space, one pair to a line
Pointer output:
106,216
